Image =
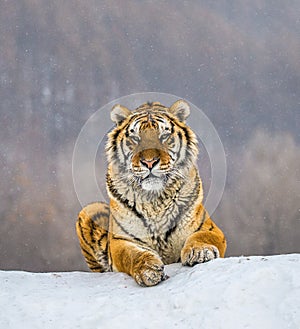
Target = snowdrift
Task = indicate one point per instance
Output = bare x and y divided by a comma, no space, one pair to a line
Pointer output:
243,292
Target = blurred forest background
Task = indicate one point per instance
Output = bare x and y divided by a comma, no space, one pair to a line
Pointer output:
60,61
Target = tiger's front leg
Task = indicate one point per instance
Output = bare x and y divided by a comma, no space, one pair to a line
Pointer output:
204,245
142,263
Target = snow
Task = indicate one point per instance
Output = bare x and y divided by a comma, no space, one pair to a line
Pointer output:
238,292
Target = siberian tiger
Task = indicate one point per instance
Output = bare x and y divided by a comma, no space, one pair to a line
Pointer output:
155,215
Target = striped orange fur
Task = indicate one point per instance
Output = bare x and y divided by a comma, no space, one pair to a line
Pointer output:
155,215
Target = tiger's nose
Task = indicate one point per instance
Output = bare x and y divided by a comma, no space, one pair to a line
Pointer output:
150,163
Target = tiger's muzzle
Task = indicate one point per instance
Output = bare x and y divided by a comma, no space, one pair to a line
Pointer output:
151,161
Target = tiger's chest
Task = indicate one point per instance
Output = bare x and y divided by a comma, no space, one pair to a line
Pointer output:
168,229
163,226
161,222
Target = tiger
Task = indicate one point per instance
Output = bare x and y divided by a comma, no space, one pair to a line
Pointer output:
155,214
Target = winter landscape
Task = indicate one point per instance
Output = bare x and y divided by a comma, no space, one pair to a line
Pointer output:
62,61
239,292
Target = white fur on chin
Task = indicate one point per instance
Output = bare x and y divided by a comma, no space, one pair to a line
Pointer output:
152,184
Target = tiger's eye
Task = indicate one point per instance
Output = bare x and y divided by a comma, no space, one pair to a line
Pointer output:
135,138
164,137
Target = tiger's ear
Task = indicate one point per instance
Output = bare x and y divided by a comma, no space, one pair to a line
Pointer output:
180,109
119,113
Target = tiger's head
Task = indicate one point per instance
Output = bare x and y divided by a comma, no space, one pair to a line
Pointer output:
151,145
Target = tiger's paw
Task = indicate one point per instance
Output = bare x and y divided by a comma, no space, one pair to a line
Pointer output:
191,255
149,272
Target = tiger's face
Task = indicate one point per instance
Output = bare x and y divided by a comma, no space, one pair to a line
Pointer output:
151,145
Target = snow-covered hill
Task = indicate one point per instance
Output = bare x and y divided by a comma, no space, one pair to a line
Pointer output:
244,292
